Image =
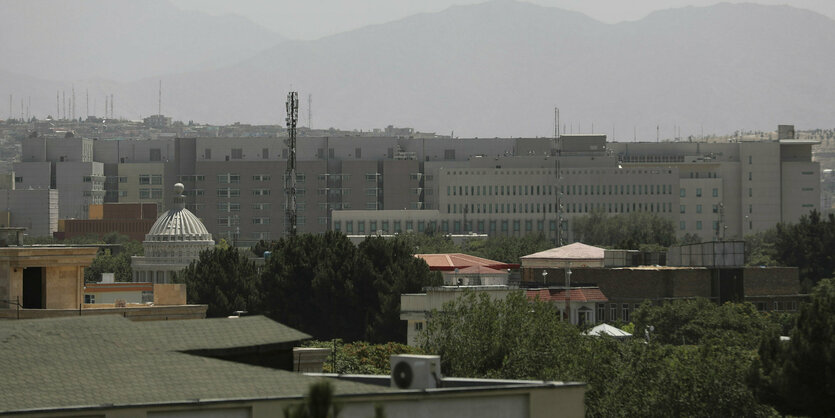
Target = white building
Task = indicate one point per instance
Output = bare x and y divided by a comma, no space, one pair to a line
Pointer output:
175,240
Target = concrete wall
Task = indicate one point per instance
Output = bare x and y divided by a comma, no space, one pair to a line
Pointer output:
169,294
35,210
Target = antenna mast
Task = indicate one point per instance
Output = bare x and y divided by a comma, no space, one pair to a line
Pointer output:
159,109
290,177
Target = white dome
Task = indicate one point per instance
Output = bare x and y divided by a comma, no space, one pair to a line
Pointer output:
178,224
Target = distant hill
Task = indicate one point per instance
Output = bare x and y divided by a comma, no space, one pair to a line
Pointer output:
121,40
499,68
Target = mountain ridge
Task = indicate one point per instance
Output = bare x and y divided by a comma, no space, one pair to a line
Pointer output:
500,68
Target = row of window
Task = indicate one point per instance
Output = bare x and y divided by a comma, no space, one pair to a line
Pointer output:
230,192
625,311
235,220
714,192
585,189
388,227
716,208
682,225
661,207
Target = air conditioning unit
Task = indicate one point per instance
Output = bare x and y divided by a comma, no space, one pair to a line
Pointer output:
415,372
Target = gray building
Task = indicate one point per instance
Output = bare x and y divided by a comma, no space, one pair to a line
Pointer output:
504,186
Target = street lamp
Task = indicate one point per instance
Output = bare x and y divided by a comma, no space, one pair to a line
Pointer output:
544,275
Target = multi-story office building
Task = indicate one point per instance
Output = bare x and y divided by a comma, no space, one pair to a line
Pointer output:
505,186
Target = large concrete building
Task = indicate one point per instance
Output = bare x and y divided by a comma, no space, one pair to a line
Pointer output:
499,186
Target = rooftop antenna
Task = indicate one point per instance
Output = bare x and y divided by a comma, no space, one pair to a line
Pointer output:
159,109
105,106
309,110
111,106
72,104
292,106
87,92
57,105
556,122
64,101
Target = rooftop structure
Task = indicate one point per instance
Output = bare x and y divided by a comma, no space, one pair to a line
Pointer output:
175,239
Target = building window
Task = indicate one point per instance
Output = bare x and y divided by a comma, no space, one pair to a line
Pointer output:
715,192
265,153
682,192
261,192
601,312
613,311
682,225
699,192
449,154
89,299
682,208
155,154
699,225
237,153
625,313
698,208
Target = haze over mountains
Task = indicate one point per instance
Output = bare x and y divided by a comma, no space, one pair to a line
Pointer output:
493,69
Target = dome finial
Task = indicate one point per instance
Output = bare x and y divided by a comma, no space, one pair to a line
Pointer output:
178,188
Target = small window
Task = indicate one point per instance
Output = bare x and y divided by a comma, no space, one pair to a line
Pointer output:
207,154
155,154
237,153
682,192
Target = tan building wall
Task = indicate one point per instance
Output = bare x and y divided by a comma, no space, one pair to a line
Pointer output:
59,272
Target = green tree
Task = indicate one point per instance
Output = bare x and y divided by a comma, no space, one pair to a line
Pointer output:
393,270
113,260
798,377
513,338
361,357
808,246
225,280
628,231
702,322
507,249
319,284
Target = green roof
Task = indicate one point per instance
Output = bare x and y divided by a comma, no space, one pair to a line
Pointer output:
98,361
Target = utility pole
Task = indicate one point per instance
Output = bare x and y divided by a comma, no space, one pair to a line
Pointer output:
556,122
292,106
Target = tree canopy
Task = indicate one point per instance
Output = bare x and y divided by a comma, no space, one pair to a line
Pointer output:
629,231
798,377
516,338
321,284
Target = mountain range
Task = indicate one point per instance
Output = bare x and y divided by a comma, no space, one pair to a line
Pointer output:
492,69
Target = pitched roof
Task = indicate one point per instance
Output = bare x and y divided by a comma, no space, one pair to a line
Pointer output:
575,251
481,270
582,294
89,361
606,329
450,262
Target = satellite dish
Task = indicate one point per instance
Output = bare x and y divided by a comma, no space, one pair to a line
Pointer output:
403,375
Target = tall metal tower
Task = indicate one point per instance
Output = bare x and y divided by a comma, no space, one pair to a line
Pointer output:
290,177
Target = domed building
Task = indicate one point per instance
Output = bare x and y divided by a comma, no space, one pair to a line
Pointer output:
176,239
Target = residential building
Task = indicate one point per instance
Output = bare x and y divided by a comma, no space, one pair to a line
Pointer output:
111,367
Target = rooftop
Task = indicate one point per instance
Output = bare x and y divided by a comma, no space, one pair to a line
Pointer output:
582,294
108,361
452,261
575,251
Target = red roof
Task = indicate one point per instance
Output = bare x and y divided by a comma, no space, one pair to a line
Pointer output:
584,294
480,270
450,262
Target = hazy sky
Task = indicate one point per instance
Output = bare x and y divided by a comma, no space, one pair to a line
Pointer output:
316,18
